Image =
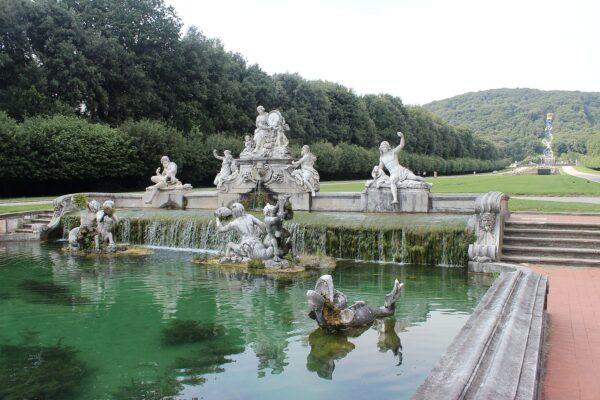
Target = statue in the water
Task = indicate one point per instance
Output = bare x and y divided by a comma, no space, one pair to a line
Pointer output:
399,175
329,307
106,220
81,237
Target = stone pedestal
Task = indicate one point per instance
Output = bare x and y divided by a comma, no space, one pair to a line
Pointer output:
271,175
169,198
409,200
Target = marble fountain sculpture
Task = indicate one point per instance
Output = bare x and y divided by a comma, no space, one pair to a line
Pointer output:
167,191
266,164
329,307
266,240
407,191
95,232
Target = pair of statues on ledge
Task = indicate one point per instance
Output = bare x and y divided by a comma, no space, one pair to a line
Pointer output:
399,177
95,231
266,240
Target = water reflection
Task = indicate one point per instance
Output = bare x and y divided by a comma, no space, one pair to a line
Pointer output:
328,347
265,341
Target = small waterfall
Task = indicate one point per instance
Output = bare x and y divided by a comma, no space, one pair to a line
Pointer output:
380,254
125,230
403,249
405,245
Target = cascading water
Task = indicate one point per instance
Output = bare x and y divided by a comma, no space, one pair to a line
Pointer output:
431,245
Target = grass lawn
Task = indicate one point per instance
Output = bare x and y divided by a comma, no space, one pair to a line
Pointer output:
548,185
26,199
587,170
551,206
4,209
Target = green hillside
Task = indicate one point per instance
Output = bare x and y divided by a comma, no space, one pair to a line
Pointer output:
515,117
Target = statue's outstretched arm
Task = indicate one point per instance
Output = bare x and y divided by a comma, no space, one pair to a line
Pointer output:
218,157
221,227
401,145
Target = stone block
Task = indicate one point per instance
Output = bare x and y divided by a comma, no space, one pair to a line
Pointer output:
173,198
409,200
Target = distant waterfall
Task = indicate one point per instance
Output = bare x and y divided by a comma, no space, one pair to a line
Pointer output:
434,245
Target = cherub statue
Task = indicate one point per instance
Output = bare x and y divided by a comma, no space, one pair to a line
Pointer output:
163,179
388,157
248,147
277,236
106,220
306,176
87,227
380,178
228,168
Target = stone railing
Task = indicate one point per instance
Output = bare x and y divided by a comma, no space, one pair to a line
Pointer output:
498,354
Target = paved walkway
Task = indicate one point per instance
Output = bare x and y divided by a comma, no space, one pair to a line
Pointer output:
590,177
572,370
564,218
562,199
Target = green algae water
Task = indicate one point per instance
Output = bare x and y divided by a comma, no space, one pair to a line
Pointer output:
159,326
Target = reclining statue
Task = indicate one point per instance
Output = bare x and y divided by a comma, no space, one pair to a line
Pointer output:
329,307
165,179
268,240
388,158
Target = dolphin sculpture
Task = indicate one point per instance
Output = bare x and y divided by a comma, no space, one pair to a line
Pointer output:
329,307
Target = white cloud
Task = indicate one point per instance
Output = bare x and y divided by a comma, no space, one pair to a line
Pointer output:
420,50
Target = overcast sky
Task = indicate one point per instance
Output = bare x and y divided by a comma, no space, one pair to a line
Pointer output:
420,50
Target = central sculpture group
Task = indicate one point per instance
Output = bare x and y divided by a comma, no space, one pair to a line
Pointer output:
266,165
266,240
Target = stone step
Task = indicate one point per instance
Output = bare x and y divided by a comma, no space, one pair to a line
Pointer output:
545,233
579,242
38,220
532,251
553,225
556,261
23,230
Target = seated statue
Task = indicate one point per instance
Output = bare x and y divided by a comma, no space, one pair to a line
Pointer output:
270,140
248,147
106,220
228,170
87,228
329,307
388,158
165,179
380,178
306,176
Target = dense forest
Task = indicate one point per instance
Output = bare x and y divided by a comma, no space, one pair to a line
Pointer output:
514,118
94,92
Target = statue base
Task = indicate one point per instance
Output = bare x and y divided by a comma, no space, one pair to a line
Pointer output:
268,174
166,198
410,200
303,264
